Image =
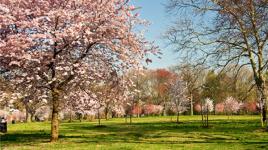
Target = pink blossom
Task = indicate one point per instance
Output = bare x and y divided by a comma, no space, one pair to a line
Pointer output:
231,105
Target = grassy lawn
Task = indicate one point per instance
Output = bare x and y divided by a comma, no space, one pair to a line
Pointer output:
240,132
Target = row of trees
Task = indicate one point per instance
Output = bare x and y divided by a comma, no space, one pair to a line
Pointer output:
153,92
160,86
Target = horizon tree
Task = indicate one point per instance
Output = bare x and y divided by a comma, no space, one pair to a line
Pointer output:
179,100
194,78
206,107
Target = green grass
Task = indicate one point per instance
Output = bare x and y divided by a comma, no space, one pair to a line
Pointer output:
154,133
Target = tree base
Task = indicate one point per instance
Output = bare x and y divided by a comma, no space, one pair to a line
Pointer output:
53,140
207,127
100,126
179,122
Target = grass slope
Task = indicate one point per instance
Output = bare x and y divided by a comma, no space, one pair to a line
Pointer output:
155,133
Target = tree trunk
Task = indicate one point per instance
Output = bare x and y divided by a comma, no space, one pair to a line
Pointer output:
99,117
263,101
207,115
214,108
32,117
28,117
55,116
125,118
164,113
131,113
178,117
130,118
192,109
71,116
164,109
264,116
264,112
202,114
138,111
80,117
106,113
207,119
262,125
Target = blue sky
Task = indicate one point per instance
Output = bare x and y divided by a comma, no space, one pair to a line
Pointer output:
154,12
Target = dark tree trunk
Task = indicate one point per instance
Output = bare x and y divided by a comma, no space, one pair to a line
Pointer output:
131,113
99,120
106,113
32,117
178,117
138,111
130,118
264,116
71,116
125,118
207,116
263,101
55,116
28,116
80,117
164,109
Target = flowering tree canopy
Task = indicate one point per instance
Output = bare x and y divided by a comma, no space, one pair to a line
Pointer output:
178,96
208,105
219,108
151,109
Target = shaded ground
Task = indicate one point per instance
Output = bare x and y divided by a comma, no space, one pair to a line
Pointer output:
240,132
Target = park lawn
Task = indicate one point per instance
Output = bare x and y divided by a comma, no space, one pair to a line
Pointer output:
154,133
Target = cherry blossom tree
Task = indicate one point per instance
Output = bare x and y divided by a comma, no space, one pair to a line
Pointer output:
150,109
231,105
132,91
60,42
30,98
197,108
97,97
163,81
250,107
110,93
178,96
219,108
43,113
6,92
137,110
80,103
5,100
206,107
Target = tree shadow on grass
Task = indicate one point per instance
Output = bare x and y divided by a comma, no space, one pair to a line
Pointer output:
188,126
222,132
24,138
